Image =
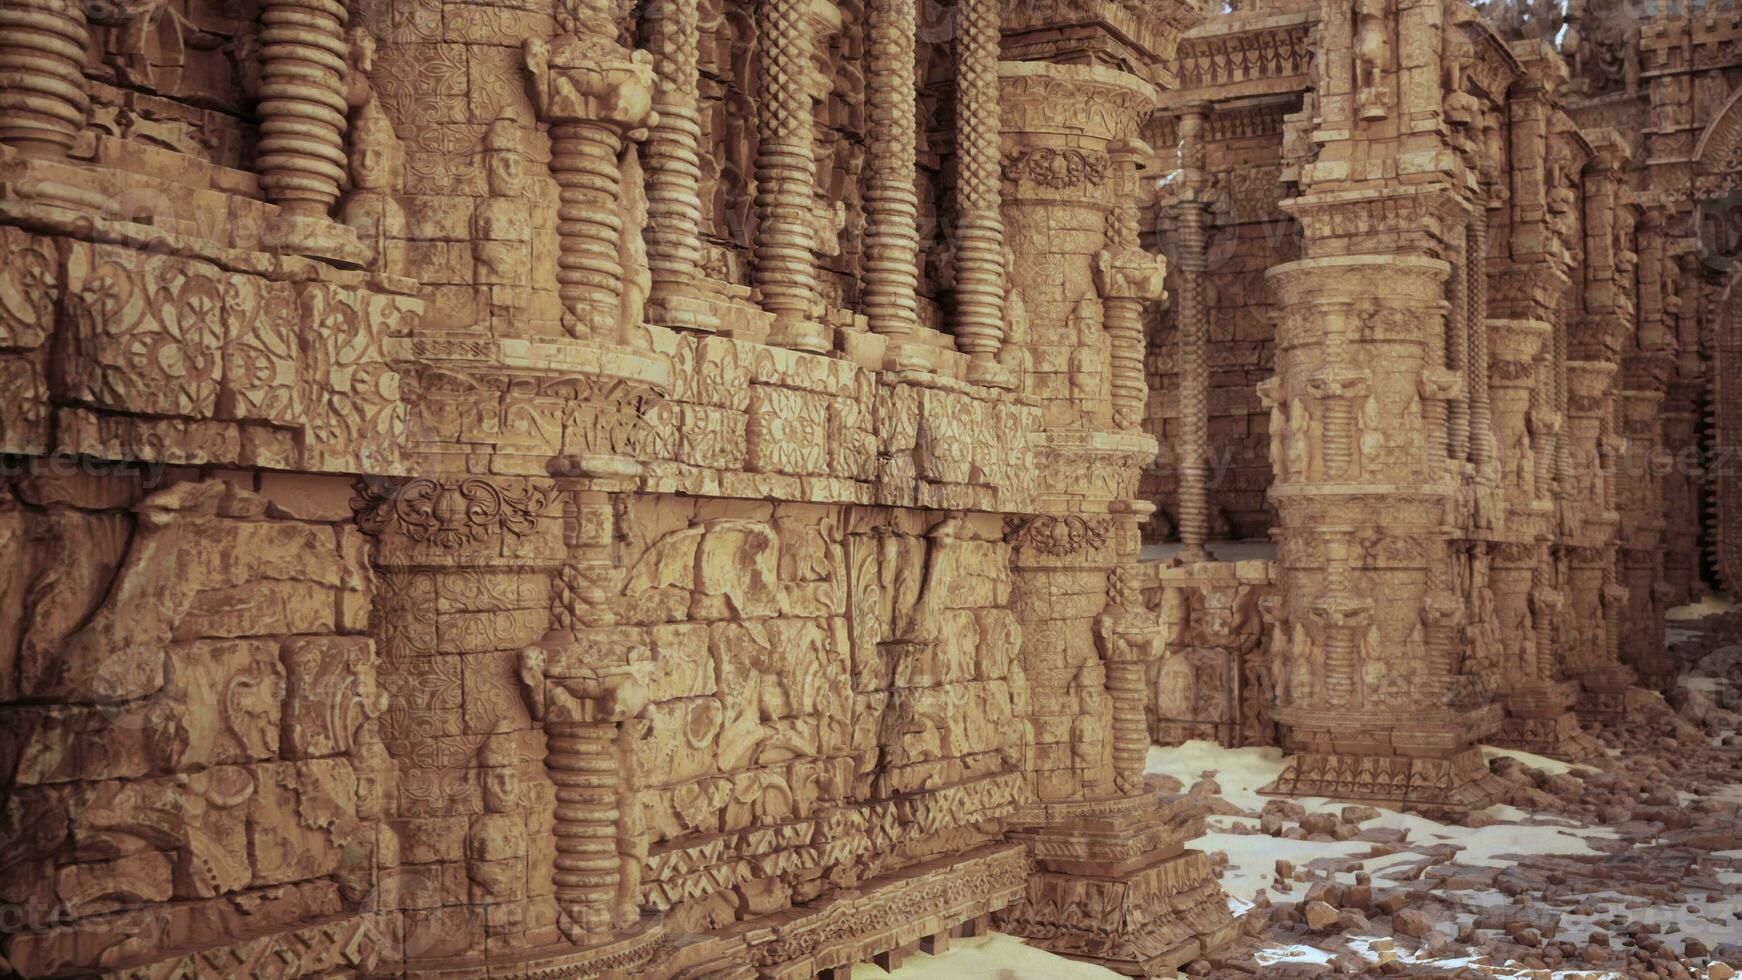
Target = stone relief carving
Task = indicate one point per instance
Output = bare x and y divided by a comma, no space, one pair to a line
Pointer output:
711,560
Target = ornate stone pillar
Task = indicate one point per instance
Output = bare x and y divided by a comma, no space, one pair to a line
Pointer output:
301,155
463,566
42,75
1191,217
595,95
1595,333
980,274
1642,643
1525,600
785,267
673,164
891,276
586,687
1684,401
1374,702
1109,849
1588,522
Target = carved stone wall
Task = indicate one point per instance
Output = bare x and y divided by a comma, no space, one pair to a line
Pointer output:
575,489
499,494
1213,679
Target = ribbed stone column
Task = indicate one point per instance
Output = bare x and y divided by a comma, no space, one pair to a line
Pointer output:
1458,351
42,75
301,154
1128,279
1476,292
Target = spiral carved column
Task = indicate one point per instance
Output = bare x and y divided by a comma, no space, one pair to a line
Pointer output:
1458,353
1194,367
891,277
1476,292
785,271
1129,632
674,171
583,763
42,75
583,160
582,685
1128,279
593,103
301,156
979,290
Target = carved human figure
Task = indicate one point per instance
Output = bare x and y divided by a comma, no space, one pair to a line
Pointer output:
496,848
1085,362
502,222
1372,57
360,46
1524,464
372,207
1302,664
1298,439
1280,651
1371,440
632,247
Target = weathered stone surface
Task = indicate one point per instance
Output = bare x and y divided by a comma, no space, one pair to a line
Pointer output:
473,478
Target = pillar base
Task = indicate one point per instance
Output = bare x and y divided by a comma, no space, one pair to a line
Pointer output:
1114,885
1558,737
1603,694
319,238
1431,784
684,312
887,917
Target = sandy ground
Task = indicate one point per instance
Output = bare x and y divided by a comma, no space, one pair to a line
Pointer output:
1625,867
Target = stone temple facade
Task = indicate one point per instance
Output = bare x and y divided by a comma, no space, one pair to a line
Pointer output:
561,488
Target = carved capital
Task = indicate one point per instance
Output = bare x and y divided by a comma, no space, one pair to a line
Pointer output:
1440,384
586,78
562,691
1058,536
450,513
1442,609
1057,169
1343,610
1340,382
1545,601
1130,273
